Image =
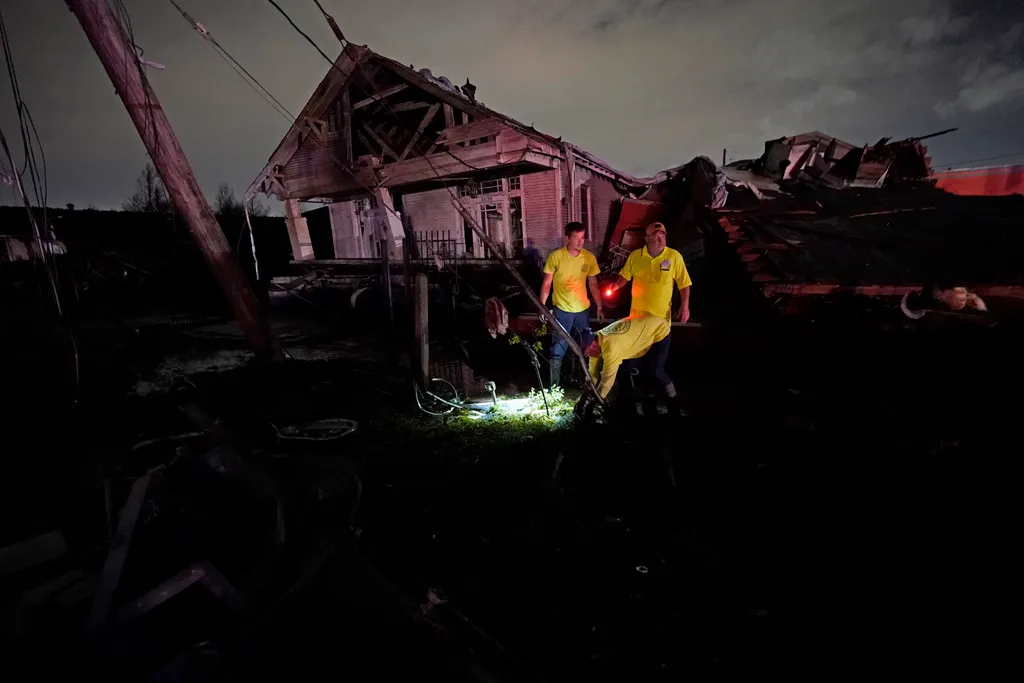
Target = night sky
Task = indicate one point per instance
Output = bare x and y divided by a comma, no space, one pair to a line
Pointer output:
644,84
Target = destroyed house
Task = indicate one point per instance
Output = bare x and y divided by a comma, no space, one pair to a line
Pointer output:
815,222
386,147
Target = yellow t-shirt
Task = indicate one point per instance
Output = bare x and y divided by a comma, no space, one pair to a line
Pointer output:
622,340
652,281
569,291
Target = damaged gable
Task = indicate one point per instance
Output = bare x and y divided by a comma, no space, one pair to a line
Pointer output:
373,122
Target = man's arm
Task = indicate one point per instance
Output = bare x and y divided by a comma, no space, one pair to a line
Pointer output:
545,287
595,294
608,372
683,282
684,306
625,275
618,284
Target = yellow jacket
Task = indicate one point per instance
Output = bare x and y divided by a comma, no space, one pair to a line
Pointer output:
623,340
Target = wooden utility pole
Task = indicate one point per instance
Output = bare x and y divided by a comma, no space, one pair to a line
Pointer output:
122,65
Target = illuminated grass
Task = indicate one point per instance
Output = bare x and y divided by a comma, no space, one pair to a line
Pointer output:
467,435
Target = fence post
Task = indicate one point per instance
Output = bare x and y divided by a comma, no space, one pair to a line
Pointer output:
421,329
385,262
407,274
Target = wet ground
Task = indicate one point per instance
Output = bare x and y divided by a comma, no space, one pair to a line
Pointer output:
843,504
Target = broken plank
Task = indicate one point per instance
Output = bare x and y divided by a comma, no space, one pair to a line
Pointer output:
379,96
200,572
470,131
383,145
366,142
346,124
427,118
118,554
409,106
32,552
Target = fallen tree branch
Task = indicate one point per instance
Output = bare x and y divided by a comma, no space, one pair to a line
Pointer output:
544,313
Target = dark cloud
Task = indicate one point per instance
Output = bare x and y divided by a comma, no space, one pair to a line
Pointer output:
645,84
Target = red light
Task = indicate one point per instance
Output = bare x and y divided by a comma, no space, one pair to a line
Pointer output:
608,293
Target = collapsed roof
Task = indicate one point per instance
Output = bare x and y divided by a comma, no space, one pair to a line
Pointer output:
818,158
817,216
374,122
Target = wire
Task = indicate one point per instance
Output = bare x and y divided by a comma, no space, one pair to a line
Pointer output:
387,105
270,99
974,161
460,206
30,141
237,66
301,32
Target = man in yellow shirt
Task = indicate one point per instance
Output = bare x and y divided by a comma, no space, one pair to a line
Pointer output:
626,340
653,269
570,271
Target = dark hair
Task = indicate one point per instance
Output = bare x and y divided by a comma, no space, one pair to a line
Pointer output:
575,226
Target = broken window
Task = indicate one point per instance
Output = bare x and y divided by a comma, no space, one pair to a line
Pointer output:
493,222
490,186
515,224
484,187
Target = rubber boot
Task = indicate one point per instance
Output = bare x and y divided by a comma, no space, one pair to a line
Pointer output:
556,373
675,406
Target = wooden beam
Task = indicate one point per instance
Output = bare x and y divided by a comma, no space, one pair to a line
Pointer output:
419,130
318,128
470,131
383,145
366,143
409,106
118,554
449,116
346,125
380,96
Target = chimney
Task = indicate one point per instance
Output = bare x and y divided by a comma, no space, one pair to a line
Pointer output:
470,91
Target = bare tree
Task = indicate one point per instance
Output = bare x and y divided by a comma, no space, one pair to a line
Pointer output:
258,208
150,194
227,205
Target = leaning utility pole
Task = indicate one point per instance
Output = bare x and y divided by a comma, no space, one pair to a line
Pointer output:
124,69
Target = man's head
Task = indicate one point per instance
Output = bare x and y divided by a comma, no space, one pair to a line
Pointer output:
655,238
593,350
575,233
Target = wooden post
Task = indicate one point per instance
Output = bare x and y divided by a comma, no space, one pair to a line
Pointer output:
421,330
122,66
386,266
723,156
346,125
407,273
298,231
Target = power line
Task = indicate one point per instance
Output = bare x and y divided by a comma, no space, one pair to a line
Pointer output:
975,161
384,101
238,68
283,111
301,32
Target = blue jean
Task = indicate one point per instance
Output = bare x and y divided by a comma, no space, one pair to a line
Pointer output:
576,324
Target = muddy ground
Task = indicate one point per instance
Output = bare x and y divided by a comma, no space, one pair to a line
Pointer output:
843,501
